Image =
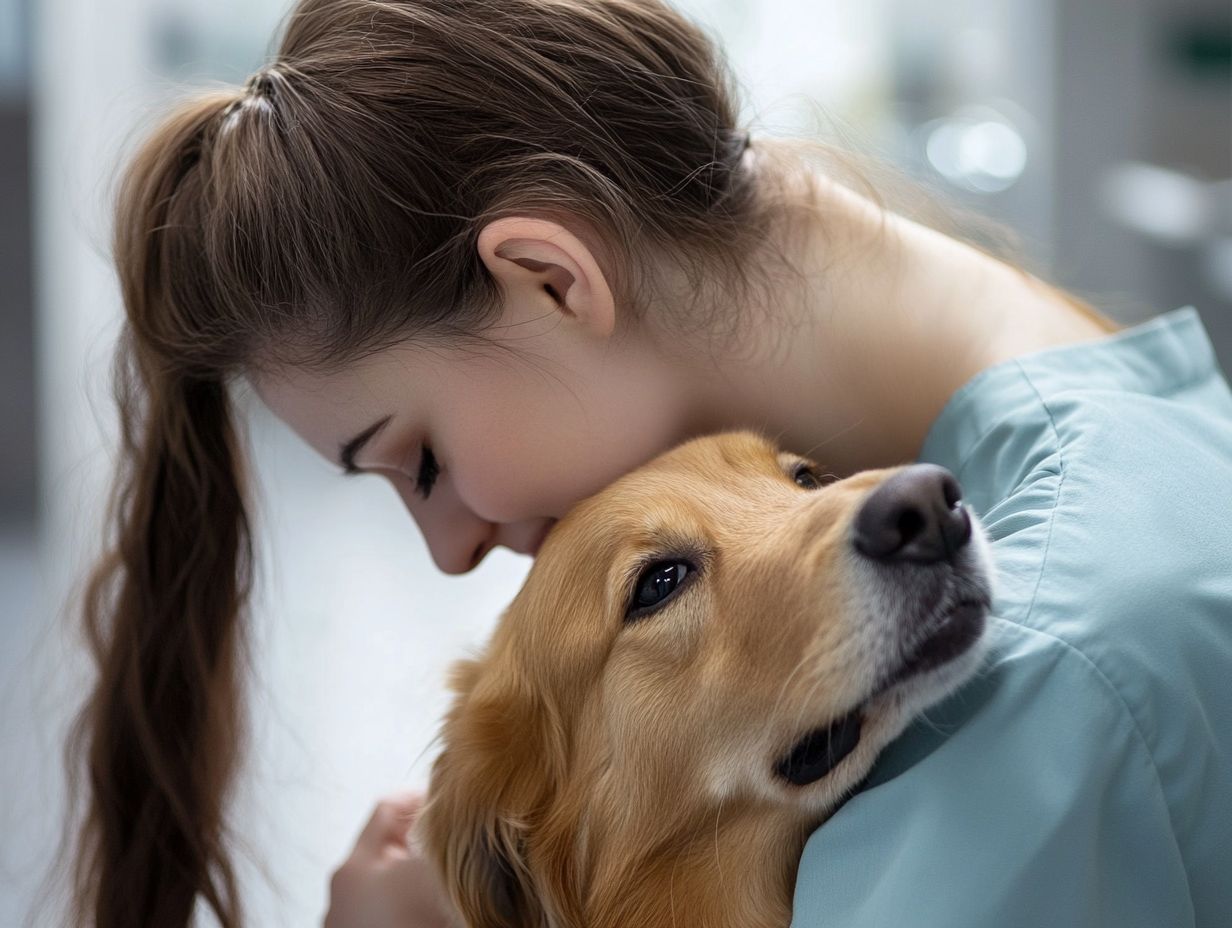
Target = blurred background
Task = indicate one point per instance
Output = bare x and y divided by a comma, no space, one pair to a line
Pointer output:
1099,130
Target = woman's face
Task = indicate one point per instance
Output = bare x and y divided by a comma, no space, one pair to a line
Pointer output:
517,436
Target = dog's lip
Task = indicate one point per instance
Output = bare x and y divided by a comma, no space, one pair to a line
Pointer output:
820,750
952,635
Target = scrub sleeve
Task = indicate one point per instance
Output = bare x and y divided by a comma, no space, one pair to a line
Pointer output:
1084,777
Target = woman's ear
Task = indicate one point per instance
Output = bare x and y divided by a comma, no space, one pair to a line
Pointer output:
542,266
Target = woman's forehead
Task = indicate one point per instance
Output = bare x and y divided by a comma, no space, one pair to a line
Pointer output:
327,409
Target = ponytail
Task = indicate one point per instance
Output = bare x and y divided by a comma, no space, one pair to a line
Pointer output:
159,738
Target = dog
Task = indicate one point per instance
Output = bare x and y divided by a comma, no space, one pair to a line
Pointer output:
701,666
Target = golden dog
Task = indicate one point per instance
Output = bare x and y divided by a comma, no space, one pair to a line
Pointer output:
703,663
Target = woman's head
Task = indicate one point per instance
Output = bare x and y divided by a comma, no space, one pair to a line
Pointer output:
333,206
407,174
397,179
489,444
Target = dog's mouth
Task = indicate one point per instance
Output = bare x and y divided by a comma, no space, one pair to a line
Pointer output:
822,749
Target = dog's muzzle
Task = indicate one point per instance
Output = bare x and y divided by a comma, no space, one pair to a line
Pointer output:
822,749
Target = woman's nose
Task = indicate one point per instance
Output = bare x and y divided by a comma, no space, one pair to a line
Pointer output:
457,539
913,516
459,557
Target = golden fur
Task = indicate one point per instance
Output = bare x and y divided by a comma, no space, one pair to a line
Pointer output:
607,773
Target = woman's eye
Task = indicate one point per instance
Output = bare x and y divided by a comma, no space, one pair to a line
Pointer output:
805,477
655,585
428,469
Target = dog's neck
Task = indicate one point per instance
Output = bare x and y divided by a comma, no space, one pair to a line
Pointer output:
732,868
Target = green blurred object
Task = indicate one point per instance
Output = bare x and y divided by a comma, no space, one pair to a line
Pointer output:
1202,49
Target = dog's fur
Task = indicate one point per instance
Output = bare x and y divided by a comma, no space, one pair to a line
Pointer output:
609,773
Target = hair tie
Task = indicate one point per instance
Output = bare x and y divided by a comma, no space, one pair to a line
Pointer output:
258,92
261,83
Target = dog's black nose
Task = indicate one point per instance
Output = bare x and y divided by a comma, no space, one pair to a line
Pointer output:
913,516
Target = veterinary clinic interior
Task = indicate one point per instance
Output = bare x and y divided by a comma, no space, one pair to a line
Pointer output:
1099,131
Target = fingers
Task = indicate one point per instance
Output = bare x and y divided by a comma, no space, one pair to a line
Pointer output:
390,821
385,883
388,894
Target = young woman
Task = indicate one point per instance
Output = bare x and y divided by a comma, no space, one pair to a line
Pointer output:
501,253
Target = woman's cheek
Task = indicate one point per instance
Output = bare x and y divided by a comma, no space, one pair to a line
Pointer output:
540,463
510,490
502,488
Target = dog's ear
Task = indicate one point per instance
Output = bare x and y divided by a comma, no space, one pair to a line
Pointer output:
492,885
487,782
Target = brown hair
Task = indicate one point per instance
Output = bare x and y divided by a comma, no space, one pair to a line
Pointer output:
326,210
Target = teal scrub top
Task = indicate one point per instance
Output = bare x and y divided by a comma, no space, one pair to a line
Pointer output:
1084,777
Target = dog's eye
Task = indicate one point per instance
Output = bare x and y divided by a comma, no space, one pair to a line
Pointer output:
806,478
655,585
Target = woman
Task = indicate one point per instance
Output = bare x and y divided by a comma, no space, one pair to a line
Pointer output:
501,253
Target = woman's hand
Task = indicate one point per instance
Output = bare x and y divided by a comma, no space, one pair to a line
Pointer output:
384,883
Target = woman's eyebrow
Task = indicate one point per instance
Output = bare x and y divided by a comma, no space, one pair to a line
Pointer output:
348,449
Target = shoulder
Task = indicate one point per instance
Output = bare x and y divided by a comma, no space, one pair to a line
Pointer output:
1010,795
1103,716
1094,470
1155,386
1124,536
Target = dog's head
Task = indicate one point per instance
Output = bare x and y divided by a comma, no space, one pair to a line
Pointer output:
702,664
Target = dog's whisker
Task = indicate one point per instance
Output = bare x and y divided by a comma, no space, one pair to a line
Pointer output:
808,658
826,441
803,704
788,679
435,741
923,717
806,704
